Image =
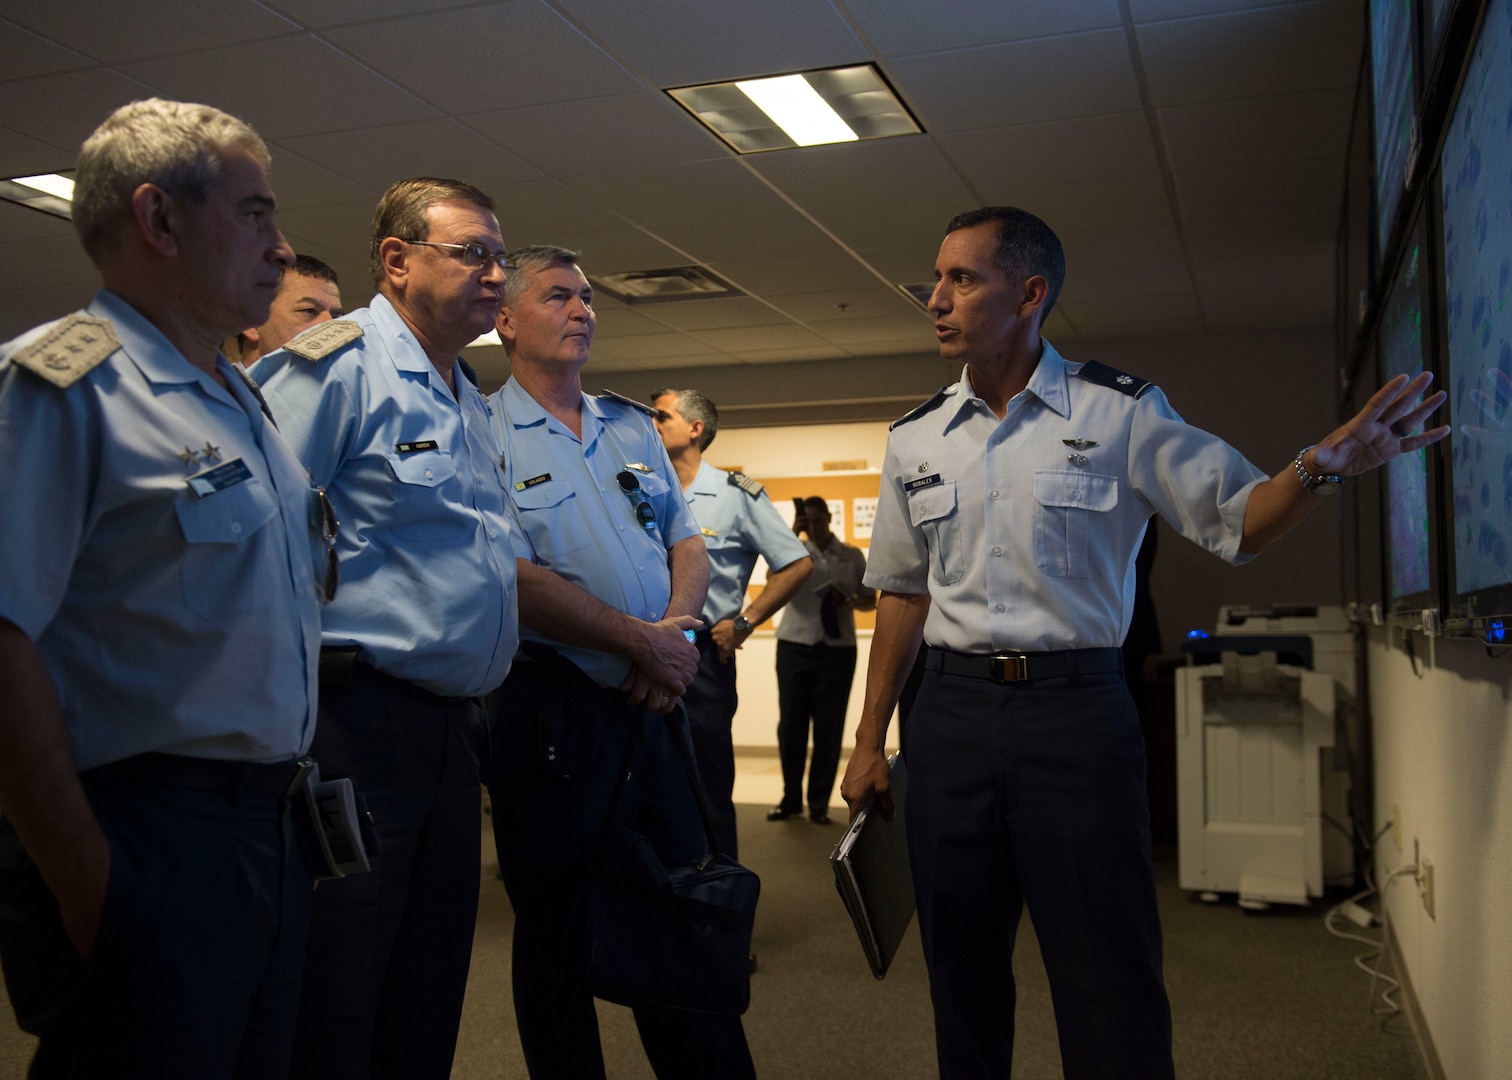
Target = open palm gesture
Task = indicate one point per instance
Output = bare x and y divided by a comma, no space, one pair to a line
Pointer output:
1383,429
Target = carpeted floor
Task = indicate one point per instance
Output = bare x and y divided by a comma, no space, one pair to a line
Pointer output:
1255,997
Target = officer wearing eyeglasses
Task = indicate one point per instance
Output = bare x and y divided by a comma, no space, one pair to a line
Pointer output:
159,629
389,421
612,575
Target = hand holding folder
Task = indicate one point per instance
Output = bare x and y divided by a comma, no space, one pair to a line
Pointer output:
872,874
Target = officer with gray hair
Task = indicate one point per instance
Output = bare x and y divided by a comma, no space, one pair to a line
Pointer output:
159,626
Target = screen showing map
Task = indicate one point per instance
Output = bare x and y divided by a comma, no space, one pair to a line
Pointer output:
1407,506
1476,192
1392,88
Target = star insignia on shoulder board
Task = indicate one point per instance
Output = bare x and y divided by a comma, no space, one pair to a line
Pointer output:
1126,380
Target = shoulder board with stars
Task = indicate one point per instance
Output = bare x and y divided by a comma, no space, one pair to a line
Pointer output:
914,414
73,348
623,400
319,342
1113,379
746,484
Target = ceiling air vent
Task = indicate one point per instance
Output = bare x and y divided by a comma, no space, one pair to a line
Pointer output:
664,286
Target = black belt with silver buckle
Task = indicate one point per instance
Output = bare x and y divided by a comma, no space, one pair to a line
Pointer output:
209,776
1008,667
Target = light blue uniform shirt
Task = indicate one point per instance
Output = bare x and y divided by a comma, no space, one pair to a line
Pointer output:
427,562
737,527
1026,542
168,622
573,519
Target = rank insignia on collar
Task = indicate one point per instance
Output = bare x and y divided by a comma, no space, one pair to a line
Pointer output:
1077,459
211,453
189,457
1079,444
923,466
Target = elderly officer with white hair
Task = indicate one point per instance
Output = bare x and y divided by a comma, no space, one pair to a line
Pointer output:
159,624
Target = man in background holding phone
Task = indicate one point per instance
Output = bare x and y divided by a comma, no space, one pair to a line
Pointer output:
816,661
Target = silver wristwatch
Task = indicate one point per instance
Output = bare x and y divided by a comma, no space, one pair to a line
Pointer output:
1326,484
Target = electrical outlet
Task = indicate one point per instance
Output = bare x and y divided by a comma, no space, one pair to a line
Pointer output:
1396,826
1425,886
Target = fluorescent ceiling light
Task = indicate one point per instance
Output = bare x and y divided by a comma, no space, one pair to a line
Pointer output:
797,109
51,193
748,115
490,338
50,184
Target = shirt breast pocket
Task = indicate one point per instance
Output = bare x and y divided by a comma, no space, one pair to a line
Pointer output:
219,576
1064,518
423,491
552,518
934,509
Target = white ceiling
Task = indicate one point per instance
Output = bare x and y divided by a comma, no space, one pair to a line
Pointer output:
1189,152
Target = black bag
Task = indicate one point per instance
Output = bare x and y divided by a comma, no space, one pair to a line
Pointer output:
669,937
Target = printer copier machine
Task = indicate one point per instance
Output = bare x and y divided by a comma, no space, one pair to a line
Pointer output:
1257,713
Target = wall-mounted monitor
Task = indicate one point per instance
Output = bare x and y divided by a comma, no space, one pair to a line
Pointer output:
1393,93
1411,526
1476,199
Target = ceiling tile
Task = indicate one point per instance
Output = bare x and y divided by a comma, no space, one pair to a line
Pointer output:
1020,83
606,252
1307,188
902,27
860,173
1063,151
466,61
1097,281
628,131
655,346
1136,200
746,236
115,32
61,257
1156,10
1238,312
1120,247
339,12
24,55
341,226
620,321
300,183
818,309
689,191
380,156
64,110
23,223
904,332
1272,234
21,155
680,42
1252,53
786,336
1314,123
787,356
1174,315
539,209
900,238
716,314
302,87
1274,277
831,271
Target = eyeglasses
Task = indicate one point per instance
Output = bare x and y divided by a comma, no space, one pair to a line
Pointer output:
473,255
328,525
630,485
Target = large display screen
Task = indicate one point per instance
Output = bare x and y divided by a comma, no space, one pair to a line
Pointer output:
1476,193
1393,89
1403,350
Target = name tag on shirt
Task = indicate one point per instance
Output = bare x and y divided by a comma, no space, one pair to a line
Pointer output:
533,481
411,447
219,478
922,482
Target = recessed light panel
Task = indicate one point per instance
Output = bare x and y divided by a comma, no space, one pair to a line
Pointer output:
51,193
809,108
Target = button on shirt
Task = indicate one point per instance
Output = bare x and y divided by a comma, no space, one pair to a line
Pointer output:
573,518
168,622
427,562
838,565
1026,543
737,527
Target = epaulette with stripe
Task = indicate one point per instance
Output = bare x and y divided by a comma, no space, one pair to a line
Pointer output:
1113,379
623,400
746,484
73,348
932,403
321,340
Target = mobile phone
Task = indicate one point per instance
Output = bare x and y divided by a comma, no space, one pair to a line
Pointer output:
797,506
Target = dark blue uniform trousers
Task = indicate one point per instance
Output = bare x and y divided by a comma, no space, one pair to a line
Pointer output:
389,950
711,703
195,974
558,741
1034,793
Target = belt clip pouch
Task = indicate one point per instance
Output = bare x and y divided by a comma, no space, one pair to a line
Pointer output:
336,826
671,937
